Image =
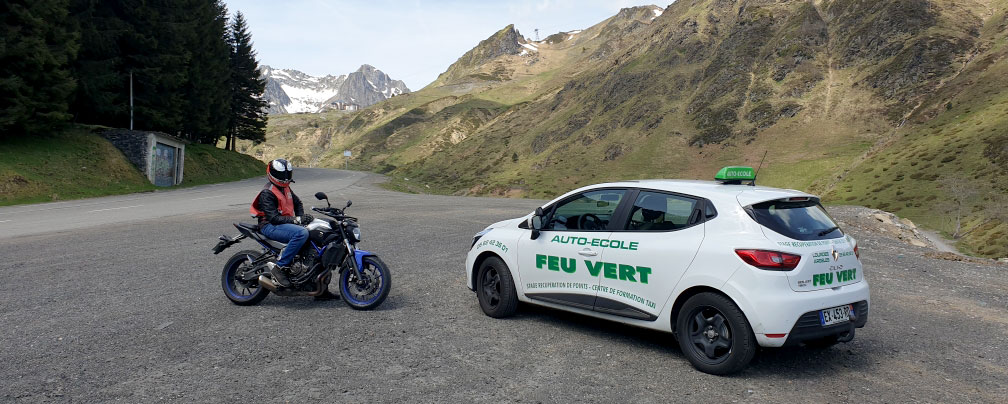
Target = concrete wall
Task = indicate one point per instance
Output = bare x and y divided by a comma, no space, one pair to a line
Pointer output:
138,145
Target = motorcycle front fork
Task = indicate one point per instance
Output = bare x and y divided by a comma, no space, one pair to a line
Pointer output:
352,256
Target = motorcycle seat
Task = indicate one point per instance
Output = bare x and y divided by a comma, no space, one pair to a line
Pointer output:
254,228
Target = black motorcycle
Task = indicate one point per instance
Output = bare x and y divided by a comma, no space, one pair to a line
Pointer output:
364,280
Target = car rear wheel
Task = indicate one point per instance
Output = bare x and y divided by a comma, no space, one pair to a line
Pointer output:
714,334
495,288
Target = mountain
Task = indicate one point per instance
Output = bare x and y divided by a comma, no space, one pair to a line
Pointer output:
291,91
367,86
897,105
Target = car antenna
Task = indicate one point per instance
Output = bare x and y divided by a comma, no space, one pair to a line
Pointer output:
753,183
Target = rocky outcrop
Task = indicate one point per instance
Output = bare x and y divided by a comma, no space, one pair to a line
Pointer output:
367,86
504,42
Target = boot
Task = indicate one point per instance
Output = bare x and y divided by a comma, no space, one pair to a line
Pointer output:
279,274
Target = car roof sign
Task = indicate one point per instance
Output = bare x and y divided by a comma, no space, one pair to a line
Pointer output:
735,174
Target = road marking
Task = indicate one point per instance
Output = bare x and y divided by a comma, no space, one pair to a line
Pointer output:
121,207
207,197
5,221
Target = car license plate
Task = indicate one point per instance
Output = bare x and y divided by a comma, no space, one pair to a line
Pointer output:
836,315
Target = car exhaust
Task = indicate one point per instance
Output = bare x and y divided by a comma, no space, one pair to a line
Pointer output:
849,335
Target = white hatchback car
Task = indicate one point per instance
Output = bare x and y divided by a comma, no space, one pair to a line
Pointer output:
721,265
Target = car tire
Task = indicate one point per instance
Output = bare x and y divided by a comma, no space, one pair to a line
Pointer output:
714,334
495,288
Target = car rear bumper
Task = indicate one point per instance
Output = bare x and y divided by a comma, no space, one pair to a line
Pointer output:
775,311
810,327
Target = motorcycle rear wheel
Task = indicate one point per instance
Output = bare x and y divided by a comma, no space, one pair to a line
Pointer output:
367,293
238,291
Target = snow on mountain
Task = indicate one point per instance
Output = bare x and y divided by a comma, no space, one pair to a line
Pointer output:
291,91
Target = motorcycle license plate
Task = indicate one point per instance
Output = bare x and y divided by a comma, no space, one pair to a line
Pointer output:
836,315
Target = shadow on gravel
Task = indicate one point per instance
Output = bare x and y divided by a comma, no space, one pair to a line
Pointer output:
806,363
393,302
793,363
659,342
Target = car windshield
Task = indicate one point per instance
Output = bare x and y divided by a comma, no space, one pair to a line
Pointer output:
806,220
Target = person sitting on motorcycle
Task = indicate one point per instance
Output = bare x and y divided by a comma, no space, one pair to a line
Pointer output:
281,216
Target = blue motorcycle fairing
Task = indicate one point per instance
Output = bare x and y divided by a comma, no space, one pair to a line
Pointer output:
359,257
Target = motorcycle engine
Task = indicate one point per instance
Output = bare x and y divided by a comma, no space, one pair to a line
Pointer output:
303,264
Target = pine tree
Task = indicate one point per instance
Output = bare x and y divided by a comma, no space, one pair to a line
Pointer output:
208,100
37,43
99,98
158,59
248,108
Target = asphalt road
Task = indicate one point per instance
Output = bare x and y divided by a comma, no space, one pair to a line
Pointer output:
132,310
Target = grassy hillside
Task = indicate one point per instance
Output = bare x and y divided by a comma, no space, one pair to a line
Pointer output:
207,164
834,90
77,163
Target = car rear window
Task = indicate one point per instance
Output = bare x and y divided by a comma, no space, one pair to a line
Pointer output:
805,220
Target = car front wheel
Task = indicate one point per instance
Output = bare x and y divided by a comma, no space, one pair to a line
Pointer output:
714,334
495,288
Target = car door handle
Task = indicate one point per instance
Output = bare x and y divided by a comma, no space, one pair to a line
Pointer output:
587,253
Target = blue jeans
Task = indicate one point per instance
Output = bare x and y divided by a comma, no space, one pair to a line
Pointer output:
292,234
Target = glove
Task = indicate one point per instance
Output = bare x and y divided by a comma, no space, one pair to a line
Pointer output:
304,219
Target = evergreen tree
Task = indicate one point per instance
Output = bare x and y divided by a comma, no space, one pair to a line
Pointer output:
208,100
102,85
248,108
152,50
37,43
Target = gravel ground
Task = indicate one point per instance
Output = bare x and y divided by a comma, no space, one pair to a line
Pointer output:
134,312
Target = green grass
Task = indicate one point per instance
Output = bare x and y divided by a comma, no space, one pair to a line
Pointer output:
77,163
206,164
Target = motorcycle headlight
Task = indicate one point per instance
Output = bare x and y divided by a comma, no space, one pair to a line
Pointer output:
356,233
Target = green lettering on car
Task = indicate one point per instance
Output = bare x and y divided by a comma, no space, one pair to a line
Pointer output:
609,270
540,260
593,267
553,263
626,273
568,265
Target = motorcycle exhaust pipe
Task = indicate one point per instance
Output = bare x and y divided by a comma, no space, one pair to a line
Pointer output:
267,283
321,282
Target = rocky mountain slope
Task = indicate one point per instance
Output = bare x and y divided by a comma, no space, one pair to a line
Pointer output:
898,105
291,91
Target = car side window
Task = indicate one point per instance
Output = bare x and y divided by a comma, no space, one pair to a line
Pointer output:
588,211
654,211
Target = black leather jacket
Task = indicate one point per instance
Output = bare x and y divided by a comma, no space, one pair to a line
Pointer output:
269,205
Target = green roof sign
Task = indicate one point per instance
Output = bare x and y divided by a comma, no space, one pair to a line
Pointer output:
736,173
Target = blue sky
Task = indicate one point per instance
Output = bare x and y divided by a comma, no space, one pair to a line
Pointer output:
413,41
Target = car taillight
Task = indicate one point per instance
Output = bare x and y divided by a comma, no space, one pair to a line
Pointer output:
772,260
856,253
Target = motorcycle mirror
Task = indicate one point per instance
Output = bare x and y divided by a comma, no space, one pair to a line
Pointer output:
348,203
321,195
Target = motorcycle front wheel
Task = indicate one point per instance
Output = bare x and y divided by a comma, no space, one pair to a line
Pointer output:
369,290
241,292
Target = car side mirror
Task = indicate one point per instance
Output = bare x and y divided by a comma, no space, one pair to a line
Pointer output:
535,222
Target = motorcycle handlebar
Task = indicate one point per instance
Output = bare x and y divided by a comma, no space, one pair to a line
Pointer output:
331,212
